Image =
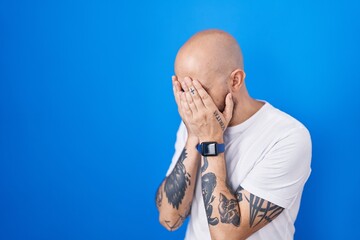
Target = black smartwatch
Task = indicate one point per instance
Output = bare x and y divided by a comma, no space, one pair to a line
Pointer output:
210,148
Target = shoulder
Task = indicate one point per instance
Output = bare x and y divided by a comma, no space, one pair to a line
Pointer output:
286,126
288,138
292,147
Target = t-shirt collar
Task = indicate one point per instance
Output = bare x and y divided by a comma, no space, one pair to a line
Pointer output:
244,125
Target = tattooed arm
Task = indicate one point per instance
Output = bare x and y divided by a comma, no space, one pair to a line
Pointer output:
174,195
231,215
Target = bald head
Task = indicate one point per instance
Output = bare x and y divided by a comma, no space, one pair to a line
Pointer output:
209,55
214,58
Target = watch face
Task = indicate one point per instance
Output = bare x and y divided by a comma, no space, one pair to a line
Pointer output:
209,149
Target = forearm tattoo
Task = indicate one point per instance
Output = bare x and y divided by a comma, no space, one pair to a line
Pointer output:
260,209
179,221
177,182
208,182
220,121
229,210
238,194
205,165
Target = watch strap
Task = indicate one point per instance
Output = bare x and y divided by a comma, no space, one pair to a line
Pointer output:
221,147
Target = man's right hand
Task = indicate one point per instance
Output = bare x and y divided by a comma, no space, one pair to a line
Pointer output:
178,88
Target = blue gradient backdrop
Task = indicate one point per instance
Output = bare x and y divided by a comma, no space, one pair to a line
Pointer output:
88,121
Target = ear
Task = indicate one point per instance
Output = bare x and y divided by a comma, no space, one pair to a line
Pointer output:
237,79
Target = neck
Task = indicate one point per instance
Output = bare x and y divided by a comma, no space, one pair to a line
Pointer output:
245,106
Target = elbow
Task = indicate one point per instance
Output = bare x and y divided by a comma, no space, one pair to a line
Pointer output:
170,223
168,227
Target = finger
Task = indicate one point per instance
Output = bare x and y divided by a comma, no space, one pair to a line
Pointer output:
173,78
176,83
177,86
176,96
183,84
185,107
196,97
190,102
194,94
205,97
229,108
188,81
176,90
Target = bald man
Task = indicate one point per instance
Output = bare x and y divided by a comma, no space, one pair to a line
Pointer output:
240,164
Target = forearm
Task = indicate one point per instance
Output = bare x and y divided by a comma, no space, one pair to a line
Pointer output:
220,203
232,214
175,194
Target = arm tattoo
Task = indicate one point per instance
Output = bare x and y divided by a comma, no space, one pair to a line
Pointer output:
265,213
179,221
238,194
177,224
208,181
177,182
220,121
158,197
229,211
205,165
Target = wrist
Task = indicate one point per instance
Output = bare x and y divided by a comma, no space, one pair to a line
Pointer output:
193,140
218,139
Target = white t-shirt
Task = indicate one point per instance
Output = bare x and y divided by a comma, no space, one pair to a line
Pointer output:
269,155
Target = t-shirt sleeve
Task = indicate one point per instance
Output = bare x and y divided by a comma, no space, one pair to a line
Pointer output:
180,142
280,176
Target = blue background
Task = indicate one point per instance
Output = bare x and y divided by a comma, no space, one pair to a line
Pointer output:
88,120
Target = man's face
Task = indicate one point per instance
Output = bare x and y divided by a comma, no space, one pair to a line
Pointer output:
216,87
198,65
